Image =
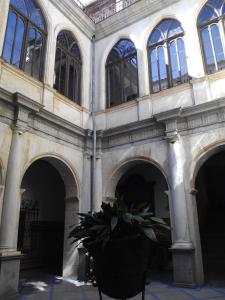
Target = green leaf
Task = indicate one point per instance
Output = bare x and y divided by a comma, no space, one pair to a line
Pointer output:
158,220
150,233
114,221
138,219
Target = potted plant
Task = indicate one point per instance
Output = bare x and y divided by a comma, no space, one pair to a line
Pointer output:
119,238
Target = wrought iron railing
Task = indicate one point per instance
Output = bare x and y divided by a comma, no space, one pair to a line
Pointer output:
99,12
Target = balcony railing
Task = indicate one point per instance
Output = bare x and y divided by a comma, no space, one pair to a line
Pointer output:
99,12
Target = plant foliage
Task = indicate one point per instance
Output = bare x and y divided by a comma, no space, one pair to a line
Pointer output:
118,221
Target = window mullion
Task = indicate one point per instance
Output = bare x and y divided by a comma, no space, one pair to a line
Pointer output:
14,39
67,76
25,45
178,58
157,58
213,50
122,79
168,64
60,71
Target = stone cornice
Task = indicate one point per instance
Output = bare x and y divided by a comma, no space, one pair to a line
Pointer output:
130,15
29,115
76,16
169,125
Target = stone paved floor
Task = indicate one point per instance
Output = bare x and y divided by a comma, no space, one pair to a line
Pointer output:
156,290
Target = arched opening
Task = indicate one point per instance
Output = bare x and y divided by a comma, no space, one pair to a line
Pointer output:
211,208
48,207
142,182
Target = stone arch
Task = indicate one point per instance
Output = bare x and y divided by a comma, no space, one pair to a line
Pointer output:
68,174
208,173
120,170
70,205
202,157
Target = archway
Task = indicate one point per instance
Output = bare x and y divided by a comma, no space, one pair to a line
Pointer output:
142,182
211,209
49,204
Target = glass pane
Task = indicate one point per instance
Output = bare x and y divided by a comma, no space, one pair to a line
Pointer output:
9,38
130,77
37,18
122,49
207,14
174,64
20,5
18,43
155,37
174,28
37,56
114,84
62,82
72,81
75,51
31,5
62,39
208,51
216,3
30,51
183,61
162,69
57,68
223,10
154,72
218,48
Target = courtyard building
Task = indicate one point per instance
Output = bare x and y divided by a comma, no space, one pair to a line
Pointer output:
115,97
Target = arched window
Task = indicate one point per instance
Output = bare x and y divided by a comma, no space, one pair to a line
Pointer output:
122,73
166,52
68,66
211,30
25,38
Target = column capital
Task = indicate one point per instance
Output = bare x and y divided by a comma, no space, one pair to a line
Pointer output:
172,137
17,129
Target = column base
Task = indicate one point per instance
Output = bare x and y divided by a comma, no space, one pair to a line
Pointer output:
9,274
183,267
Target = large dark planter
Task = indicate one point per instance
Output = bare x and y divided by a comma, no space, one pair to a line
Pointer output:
121,266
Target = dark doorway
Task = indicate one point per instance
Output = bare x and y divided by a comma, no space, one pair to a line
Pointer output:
210,183
145,184
42,214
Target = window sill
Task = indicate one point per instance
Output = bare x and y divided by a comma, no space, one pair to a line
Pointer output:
21,73
121,106
67,101
171,91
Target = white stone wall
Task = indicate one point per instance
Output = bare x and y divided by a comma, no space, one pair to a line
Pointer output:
44,93
202,87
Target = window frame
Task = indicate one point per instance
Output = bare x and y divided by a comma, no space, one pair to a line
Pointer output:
28,23
165,43
220,22
120,62
76,62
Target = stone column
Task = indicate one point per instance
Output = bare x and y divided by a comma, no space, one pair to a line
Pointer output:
182,248
2,187
9,256
11,200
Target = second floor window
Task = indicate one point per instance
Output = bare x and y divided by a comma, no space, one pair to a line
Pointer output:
211,31
166,52
122,73
24,45
68,66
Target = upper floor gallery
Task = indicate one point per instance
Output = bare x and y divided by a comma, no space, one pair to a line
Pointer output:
177,52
